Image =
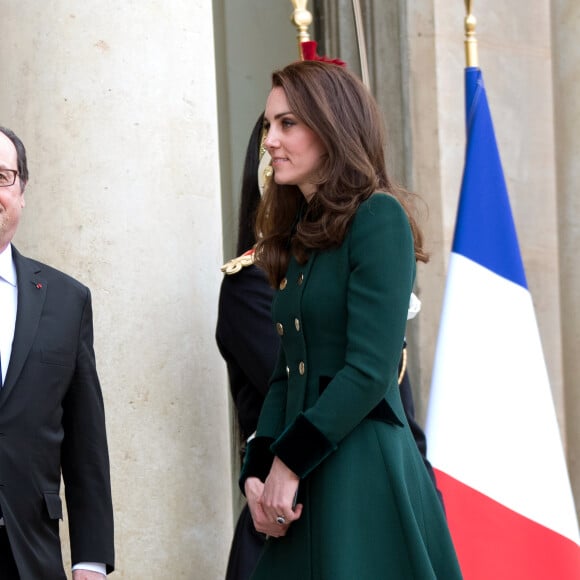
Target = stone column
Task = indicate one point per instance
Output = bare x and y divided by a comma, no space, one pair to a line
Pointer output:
116,102
566,56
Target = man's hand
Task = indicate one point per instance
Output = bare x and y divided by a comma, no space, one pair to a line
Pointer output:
87,575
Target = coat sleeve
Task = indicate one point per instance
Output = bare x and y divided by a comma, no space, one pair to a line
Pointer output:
382,270
85,458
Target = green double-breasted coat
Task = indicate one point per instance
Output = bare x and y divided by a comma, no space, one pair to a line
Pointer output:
333,414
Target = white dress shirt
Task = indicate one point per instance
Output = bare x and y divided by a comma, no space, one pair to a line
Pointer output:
8,308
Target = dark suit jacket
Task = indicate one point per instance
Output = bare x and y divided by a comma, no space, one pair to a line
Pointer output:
52,418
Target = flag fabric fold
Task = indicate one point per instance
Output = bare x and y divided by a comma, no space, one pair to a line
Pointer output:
492,430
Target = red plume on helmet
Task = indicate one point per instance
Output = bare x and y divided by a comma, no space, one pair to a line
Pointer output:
309,53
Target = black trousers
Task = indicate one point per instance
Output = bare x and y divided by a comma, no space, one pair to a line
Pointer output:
245,550
8,569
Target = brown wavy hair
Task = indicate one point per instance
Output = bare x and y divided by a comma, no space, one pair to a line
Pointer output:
336,105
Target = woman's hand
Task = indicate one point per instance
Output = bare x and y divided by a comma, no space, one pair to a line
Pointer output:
279,495
264,524
273,500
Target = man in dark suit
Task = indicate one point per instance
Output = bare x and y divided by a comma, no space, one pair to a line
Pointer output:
51,408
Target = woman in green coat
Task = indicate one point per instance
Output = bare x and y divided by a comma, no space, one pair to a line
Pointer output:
333,476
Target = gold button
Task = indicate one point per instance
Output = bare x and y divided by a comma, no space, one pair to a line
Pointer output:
301,367
283,283
279,328
288,371
297,324
300,279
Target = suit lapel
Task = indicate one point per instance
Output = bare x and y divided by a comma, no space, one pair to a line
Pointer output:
31,296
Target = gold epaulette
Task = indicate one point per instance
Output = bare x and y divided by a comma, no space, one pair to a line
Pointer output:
403,364
236,264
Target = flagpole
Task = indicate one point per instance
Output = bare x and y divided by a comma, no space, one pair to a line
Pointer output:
302,19
470,40
360,37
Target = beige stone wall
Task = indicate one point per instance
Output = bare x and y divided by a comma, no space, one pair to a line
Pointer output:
116,102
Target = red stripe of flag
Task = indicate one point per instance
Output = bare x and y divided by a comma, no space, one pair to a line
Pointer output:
496,543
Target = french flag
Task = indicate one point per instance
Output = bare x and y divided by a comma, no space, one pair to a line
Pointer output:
491,425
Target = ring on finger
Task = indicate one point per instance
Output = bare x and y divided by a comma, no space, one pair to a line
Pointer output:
281,520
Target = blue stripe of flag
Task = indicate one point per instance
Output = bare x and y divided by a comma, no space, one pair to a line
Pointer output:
485,230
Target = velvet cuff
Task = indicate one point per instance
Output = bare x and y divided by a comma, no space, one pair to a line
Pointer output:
302,446
257,461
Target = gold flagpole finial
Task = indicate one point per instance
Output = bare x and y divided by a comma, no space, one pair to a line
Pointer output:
470,40
302,19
